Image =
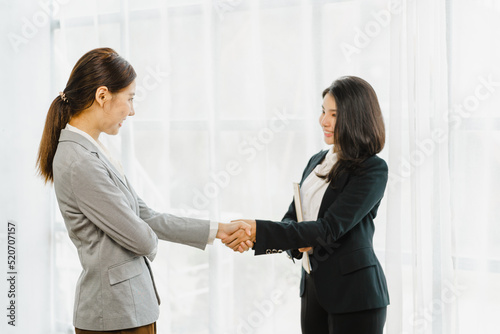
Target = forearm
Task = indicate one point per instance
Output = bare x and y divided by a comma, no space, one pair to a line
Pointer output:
284,236
187,231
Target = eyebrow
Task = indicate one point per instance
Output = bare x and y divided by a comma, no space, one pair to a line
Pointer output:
322,107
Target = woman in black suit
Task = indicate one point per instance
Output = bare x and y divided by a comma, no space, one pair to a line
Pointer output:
344,291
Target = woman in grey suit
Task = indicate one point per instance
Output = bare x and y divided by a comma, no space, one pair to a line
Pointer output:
115,232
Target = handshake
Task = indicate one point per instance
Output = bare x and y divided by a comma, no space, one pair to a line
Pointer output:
239,235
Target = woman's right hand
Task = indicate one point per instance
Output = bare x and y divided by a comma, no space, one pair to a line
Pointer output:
243,239
305,249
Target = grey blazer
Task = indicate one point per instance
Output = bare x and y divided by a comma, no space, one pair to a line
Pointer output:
116,235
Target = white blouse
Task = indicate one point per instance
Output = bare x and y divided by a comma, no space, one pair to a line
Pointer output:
313,188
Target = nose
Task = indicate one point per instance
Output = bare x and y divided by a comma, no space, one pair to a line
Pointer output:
325,120
132,112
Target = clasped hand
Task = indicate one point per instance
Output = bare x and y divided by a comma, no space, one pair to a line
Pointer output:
239,235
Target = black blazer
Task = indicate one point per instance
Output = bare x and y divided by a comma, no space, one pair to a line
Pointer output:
346,272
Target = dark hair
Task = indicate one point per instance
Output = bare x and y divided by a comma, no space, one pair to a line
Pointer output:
359,131
96,68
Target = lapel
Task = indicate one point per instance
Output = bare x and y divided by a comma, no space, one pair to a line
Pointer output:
332,191
70,136
312,164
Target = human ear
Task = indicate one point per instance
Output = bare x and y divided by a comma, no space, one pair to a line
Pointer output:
102,95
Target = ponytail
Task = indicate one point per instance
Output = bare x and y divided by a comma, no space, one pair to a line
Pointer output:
58,116
96,68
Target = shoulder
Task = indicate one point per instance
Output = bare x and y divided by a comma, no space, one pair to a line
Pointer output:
375,162
75,159
69,152
373,167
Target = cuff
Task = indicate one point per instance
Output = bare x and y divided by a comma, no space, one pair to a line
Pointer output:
214,228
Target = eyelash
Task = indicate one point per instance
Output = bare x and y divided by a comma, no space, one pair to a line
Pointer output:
323,112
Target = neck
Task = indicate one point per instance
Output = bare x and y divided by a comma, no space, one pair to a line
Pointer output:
83,122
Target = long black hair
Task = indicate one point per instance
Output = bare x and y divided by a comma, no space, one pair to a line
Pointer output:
359,131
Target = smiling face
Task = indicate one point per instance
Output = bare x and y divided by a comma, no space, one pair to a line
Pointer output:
328,118
116,108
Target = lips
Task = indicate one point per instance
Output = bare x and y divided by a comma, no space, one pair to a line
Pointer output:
328,134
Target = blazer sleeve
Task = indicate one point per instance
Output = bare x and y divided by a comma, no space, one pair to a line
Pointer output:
103,203
360,196
188,231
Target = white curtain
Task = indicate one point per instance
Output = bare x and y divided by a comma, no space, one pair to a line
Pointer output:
419,241
227,107
474,160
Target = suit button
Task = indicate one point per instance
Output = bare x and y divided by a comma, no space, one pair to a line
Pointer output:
275,251
268,251
280,251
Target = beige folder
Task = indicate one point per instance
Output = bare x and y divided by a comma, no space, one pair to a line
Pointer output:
306,264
